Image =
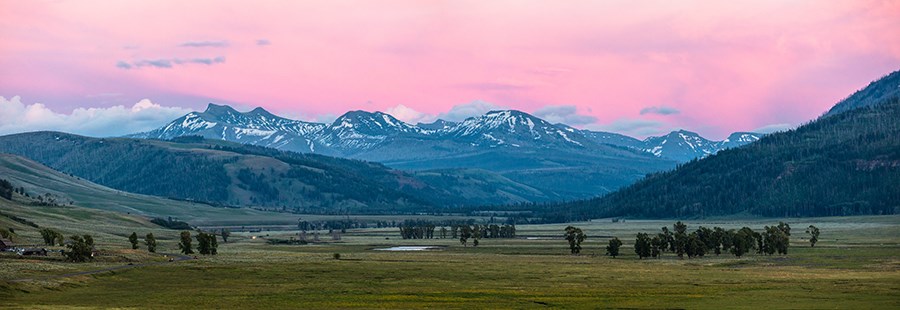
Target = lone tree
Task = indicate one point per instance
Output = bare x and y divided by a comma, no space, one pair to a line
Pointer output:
613,248
185,244
575,237
642,246
150,240
813,232
465,232
134,240
225,234
80,249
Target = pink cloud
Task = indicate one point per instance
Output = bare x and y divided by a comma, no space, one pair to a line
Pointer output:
725,66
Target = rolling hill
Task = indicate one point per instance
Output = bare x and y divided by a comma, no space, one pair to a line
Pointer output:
225,173
845,163
76,194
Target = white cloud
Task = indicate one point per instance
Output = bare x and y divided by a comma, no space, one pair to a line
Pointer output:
98,122
566,114
409,115
773,128
660,110
633,127
461,112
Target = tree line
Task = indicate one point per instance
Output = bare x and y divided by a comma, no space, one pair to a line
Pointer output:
681,242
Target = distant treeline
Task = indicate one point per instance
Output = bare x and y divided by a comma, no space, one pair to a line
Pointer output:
171,223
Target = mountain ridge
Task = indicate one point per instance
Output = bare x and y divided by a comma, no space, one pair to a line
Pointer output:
359,130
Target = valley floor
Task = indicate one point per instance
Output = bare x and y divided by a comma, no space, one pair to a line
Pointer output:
855,265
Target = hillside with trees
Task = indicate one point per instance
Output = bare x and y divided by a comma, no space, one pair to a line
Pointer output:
841,164
229,174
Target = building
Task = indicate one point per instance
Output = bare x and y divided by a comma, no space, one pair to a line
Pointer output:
6,244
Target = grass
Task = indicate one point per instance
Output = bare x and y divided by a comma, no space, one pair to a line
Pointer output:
855,265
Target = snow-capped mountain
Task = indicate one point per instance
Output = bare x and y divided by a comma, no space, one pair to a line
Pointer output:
515,129
257,127
437,125
680,145
556,159
381,137
739,139
360,130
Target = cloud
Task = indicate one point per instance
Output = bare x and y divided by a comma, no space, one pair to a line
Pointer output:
635,127
500,85
168,63
773,128
326,118
204,44
566,114
409,115
263,42
660,110
461,112
98,122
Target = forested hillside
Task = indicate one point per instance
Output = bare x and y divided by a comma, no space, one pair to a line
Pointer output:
842,164
877,91
232,174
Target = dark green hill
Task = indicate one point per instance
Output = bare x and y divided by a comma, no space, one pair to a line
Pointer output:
844,163
877,91
232,174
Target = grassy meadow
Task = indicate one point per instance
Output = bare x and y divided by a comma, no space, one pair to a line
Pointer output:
856,264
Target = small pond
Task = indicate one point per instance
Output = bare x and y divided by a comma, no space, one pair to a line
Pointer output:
409,248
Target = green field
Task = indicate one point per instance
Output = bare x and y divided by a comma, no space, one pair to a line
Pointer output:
855,265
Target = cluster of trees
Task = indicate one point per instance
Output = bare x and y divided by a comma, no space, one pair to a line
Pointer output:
149,241
331,225
773,239
171,223
7,233
462,230
417,231
476,232
52,237
80,248
47,199
6,189
206,243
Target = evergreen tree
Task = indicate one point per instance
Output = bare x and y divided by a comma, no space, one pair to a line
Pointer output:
150,241
185,244
134,240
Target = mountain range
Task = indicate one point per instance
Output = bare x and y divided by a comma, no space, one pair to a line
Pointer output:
357,133
560,161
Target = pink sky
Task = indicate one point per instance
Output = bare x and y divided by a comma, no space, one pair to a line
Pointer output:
714,66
